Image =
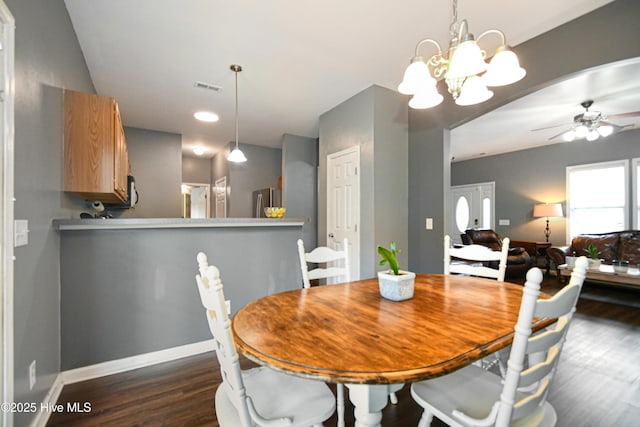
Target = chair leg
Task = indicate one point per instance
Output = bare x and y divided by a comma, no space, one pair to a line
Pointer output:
393,398
340,404
425,420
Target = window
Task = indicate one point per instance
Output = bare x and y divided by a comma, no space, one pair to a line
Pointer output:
597,197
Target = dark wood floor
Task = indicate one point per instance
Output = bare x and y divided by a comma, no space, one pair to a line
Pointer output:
597,384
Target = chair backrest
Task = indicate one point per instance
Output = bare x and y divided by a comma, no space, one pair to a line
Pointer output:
324,255
471,259
212,297
525,390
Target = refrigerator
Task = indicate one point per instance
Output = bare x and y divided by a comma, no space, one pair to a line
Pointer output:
265,198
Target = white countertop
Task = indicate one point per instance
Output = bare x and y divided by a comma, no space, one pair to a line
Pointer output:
140,223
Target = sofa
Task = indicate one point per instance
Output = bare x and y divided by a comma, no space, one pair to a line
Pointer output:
618,245
518,260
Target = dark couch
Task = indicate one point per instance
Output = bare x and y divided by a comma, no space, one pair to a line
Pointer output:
518,261
619,245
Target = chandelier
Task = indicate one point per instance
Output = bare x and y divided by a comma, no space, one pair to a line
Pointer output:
462,66
236,155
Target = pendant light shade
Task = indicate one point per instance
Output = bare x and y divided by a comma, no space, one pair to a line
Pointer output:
236,155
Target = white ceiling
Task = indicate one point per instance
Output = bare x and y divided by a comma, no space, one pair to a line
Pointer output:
302,58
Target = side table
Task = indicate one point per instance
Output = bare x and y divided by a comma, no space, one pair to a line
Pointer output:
535,251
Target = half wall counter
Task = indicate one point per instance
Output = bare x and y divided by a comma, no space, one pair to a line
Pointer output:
128,285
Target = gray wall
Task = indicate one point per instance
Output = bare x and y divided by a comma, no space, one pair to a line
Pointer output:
156,164
47,59
128,292
376,121
196,170
300,182
521,182
261,170
611,36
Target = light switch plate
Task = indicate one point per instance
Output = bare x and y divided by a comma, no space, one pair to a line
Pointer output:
20,232
429,223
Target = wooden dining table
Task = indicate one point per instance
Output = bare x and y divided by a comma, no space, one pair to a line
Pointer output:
347,333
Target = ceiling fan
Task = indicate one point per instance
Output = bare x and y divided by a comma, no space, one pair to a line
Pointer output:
592,124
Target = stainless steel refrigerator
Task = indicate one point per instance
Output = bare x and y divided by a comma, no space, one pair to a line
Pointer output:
265,198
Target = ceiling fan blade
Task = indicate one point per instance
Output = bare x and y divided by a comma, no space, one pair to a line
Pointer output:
561,133
623,115
548,127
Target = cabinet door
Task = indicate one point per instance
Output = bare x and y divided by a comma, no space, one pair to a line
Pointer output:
121,158
95,155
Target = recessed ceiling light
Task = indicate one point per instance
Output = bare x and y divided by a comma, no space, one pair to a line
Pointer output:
206,116
199,150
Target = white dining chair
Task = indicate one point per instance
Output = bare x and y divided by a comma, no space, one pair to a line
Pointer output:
473,397
331,258
259,396
471,259
336,263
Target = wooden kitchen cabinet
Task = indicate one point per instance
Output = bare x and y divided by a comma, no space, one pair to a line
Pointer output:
96,160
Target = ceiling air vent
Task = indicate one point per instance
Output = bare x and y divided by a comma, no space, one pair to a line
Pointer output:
208,86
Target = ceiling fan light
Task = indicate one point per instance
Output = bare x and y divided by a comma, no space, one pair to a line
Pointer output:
605,130
592,135
416,75
428,97
237,156
466,60
581,131
474,91
504,68
569,136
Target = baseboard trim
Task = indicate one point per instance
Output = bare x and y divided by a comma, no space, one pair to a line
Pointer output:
134,362
50,399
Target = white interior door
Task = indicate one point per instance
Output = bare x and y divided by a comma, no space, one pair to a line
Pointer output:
473,207
343,204
220,191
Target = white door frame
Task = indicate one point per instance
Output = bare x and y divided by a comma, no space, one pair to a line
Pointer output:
354,250
7,88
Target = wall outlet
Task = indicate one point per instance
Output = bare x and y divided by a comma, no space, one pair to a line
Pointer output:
32,375
504,222
428,224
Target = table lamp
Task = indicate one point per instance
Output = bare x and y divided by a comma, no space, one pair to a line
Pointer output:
547,210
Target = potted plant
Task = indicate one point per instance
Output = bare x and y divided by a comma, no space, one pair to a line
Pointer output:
620,265
594,261
395,284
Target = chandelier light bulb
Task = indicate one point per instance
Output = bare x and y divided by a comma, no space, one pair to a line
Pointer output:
605,130
474,91
592,135
504,68
581,131
416,74
466,60
569,136
425,98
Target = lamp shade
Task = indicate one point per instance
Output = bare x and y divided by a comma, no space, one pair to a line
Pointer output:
466,60
547,210
504,68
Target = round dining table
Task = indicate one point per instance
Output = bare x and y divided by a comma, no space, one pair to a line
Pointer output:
347,333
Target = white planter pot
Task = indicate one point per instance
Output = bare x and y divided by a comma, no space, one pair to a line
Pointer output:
396,288
594,263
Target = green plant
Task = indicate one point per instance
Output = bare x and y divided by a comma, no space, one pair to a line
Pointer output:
593,251
389,256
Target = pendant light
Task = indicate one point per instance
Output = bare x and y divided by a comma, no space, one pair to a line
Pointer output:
236,155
